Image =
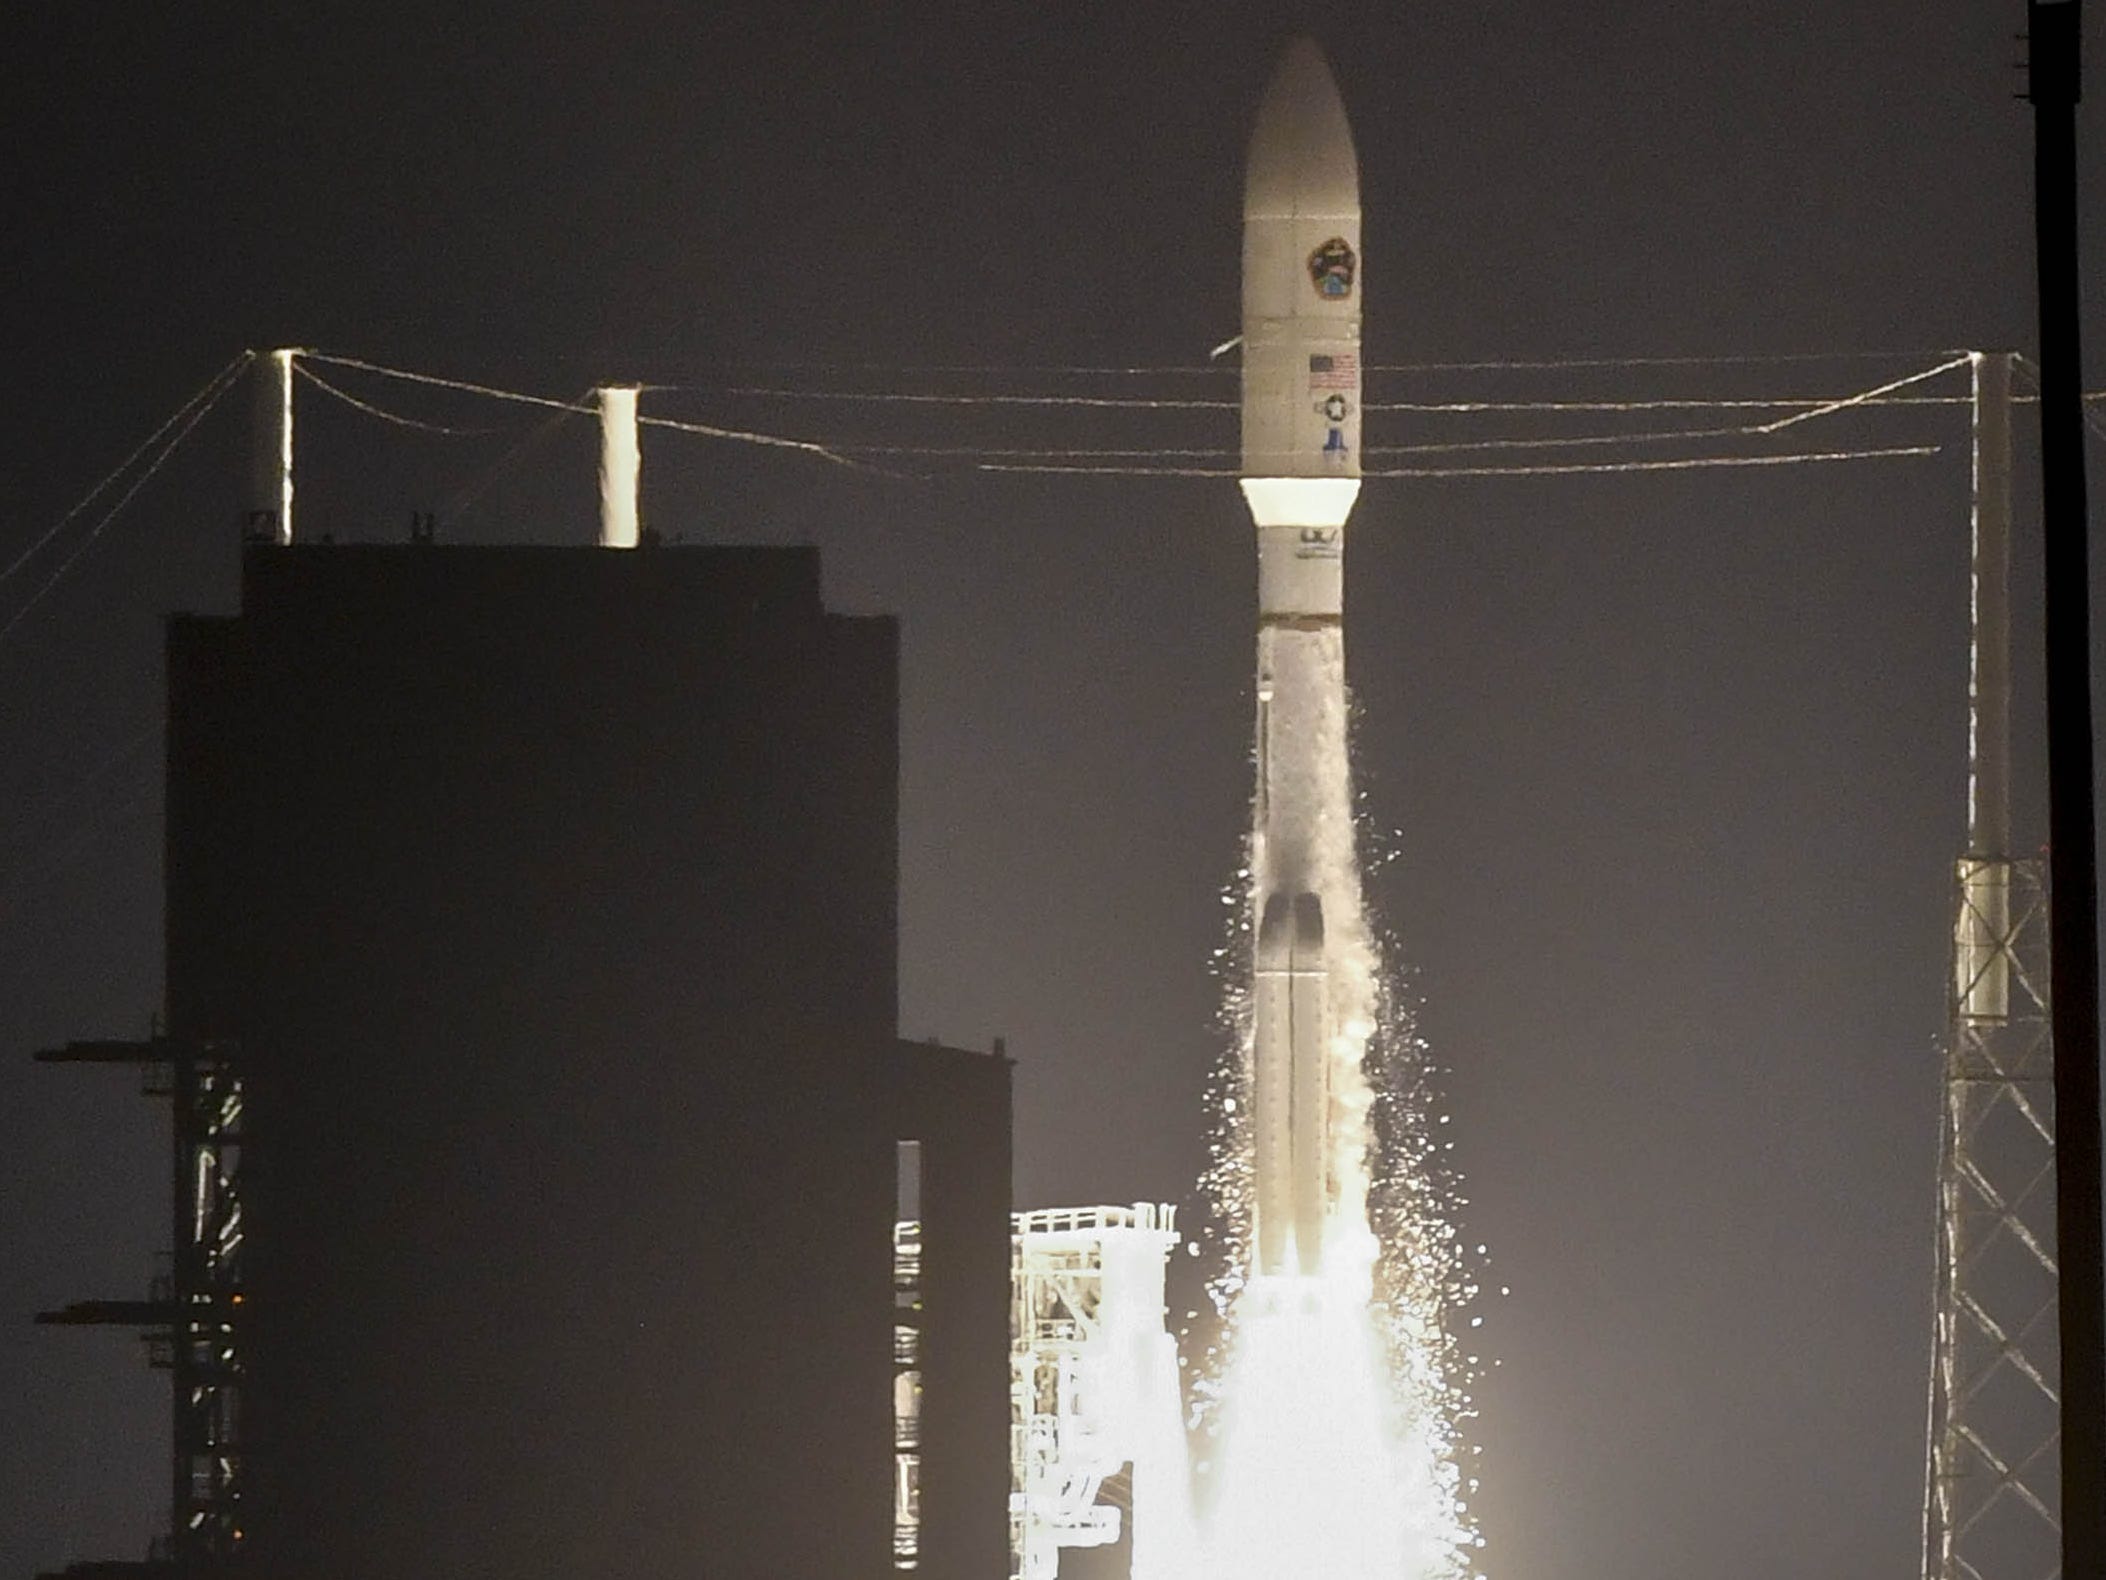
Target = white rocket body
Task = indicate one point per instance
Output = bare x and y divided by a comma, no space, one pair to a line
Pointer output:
1301,475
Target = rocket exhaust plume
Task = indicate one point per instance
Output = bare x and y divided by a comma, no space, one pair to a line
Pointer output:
1337,1412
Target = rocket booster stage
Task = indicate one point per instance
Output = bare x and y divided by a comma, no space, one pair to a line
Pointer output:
1301,474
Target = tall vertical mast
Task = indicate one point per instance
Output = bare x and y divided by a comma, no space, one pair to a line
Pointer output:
270,518
1981,959
621,466
1989,760
1990,1508
2055,85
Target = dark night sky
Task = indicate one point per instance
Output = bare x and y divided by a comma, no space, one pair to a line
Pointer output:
1673,763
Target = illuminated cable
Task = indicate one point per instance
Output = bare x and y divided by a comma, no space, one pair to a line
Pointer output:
1800,407
1218,368
382,413
958,369
1551,365
1868,396
1442,447
224,382
1746,430
1690,463
1026,453
926,398
1109,471
1815,405
463,385
1569,442
1676,403
1545,469
465,499
712,431
709,430
205,391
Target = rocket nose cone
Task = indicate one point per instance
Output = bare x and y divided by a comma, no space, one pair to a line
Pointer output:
1301,153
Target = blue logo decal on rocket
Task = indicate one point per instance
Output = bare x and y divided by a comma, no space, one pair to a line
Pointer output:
1331,269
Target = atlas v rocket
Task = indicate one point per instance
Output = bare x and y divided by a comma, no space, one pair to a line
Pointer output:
1301,474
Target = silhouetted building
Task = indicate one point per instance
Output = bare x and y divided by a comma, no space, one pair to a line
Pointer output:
531,944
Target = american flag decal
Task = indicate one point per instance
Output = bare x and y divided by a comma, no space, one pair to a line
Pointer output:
1339,370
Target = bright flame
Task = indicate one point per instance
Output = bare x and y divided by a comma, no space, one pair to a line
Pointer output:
1316,1478
1336,1412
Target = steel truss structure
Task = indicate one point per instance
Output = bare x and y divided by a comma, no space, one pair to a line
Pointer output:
1095,1422
1992,1484
1992,1508
906,1394
193,1317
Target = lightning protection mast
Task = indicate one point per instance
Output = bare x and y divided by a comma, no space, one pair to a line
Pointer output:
1992,1505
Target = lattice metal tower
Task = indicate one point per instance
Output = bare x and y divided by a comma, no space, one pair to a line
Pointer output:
194,1317
1992,1504
1096,1418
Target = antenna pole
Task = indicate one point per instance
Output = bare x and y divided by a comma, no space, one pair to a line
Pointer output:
2055,30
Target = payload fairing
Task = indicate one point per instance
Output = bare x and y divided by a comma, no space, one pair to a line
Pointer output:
1300,476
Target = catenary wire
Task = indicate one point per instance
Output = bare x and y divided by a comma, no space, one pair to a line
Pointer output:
1193,403
382,413
1867,397
1217,369
1801,409
1819,409
1548,469
1807,405
204,391
940,398
709,430
1442,447
1681,464
465,386
466,499
222,384
1745,359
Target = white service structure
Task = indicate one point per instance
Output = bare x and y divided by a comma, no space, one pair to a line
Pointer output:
1094,1390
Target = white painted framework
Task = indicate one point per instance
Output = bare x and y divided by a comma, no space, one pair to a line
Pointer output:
1992,1484
906,1394
1993,1503
1096,1426
1096,1422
